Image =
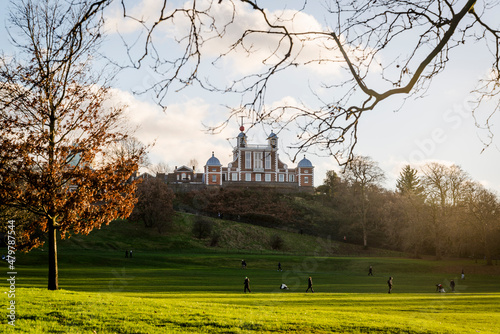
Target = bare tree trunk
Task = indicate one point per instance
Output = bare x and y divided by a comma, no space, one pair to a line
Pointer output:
437,243
53,269
365,232
437,238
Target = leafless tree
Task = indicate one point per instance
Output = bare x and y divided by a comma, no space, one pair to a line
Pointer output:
159,168
483,208
125,148
445,189
194,164
380,48
363,175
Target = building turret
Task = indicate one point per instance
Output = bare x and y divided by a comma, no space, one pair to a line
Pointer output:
213,171
273,140
305,173
242,138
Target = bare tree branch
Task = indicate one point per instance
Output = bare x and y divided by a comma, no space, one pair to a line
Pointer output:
382,49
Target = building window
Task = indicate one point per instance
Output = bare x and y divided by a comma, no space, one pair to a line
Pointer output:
214,178
306,179
291,178
268,177
257,160
306,171
268,161
234,176
248,177
258,177
281,177
248,160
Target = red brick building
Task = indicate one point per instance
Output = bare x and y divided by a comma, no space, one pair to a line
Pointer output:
253,165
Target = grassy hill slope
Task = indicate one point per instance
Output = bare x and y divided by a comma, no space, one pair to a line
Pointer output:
232,237
177,283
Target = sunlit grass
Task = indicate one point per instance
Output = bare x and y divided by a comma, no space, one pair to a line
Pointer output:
42,311
201,291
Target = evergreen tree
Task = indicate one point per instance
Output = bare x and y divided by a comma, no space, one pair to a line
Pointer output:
409,182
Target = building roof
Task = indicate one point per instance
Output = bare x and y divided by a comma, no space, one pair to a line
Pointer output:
305,163
183,168
213,161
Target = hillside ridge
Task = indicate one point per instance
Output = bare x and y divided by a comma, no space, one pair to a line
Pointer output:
229,236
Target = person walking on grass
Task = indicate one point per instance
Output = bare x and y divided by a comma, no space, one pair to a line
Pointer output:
370,271
247,285
389,283
310,284
279,266
452,285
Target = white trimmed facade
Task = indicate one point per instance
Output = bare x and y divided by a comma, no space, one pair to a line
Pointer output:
252,165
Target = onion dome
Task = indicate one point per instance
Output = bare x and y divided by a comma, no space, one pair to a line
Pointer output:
213,161
272,135
273,140
305,163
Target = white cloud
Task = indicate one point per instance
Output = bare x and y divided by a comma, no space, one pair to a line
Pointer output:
178,132
259,50
145,10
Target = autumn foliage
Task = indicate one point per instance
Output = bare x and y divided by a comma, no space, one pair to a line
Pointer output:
56,122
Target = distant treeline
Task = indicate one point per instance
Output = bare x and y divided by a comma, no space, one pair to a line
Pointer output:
438,210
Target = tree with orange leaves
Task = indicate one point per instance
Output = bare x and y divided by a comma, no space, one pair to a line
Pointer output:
56,123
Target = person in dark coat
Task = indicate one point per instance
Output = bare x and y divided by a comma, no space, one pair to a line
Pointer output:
279,266
247,285
243,264
370,271
389,283
452,285
310,284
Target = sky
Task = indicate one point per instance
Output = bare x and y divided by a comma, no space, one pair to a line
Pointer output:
438,126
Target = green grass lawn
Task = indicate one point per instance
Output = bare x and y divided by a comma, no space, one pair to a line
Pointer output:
42,311
157,292
175,284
